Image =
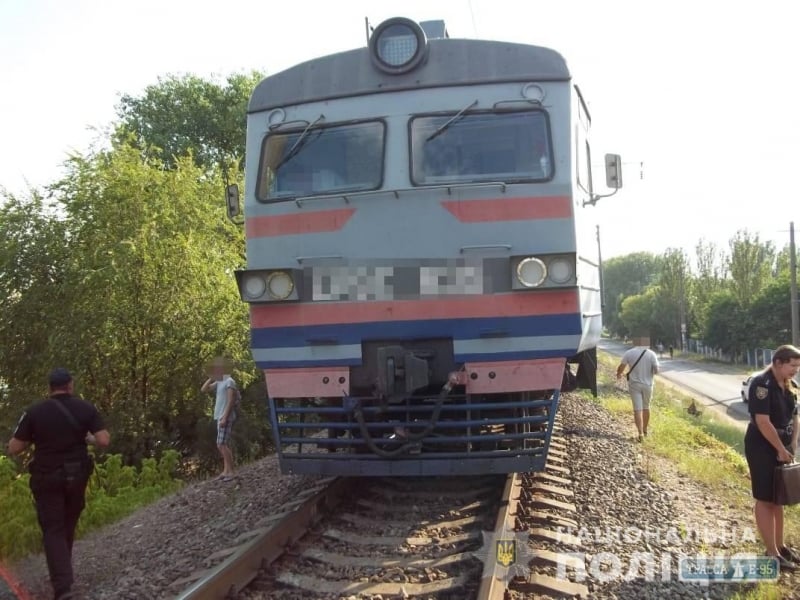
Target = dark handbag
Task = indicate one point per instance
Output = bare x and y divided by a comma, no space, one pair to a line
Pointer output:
787,484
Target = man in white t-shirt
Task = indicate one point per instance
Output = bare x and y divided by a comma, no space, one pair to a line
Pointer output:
643,365
227,395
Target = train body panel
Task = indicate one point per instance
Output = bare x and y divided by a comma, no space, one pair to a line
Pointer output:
481,329
417,267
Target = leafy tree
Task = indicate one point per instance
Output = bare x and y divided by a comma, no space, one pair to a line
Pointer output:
188,115
750,265
771,316
711,277
734,302
675,286
129,281
728,324
783,262
711,264
638,311
34,255
625,276
156,247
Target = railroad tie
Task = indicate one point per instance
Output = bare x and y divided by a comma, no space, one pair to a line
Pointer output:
542,583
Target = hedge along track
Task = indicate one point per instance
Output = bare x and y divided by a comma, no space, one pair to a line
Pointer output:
401,537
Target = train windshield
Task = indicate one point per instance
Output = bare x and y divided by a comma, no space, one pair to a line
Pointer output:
321,160
507,146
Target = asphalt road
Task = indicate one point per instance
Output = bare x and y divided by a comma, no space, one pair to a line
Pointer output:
714,386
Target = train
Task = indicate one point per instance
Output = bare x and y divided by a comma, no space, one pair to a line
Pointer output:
422,277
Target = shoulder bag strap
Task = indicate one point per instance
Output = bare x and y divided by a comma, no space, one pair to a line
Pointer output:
637,360
70,417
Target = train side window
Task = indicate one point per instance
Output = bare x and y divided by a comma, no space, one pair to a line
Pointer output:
324,160
583,159
586,173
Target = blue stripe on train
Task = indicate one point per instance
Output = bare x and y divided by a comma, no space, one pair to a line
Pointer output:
458,329
461,358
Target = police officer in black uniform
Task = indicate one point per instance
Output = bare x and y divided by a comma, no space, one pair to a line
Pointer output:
59,429
771,438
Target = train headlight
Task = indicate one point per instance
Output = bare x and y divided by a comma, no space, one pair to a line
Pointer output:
267,285
560,270
280,285
253,285
531,272
398,45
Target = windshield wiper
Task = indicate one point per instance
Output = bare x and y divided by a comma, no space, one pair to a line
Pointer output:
457,117
298,145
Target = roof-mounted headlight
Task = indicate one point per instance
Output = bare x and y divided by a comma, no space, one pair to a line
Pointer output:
398,45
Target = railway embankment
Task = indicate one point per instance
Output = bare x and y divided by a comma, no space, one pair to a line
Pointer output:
639,509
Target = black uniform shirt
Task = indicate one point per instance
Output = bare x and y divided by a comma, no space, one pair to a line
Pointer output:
767,398
55,439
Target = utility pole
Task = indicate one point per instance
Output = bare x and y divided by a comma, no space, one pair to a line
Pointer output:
793,271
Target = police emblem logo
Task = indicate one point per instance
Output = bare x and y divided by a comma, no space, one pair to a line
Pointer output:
506,551
505,554
761,392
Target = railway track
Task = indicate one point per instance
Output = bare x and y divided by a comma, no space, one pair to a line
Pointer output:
632,508
231,569
489,538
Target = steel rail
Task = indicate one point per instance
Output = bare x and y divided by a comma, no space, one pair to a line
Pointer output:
244,561
492,586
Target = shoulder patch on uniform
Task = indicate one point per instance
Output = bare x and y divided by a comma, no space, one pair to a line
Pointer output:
761,392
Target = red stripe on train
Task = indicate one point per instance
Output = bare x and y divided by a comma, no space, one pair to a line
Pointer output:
510,209
466,211
319,221
331,313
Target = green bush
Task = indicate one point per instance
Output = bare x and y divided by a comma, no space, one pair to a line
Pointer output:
114,491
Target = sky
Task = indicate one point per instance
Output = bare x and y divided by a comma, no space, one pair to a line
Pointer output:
697,96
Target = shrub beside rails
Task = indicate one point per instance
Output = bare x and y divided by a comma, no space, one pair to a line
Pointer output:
114,492
420,271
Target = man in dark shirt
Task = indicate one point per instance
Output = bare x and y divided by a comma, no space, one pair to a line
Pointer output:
59,429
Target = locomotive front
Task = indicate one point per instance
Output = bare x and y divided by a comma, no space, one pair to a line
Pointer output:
415,271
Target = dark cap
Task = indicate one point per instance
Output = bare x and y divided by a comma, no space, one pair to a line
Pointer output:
59,377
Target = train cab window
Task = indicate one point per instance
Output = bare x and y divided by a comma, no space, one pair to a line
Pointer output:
322,160
481,147
583,154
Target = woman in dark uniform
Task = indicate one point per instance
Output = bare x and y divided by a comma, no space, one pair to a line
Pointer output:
771,438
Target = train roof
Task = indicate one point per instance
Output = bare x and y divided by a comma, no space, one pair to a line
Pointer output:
450,62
